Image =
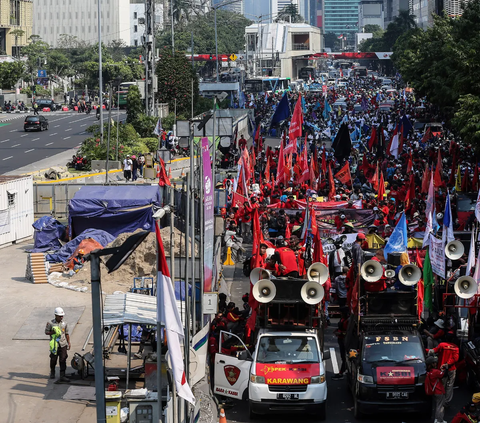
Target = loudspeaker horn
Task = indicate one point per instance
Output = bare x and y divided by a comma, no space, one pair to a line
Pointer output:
264,291
454,250
409,275
259,273
371,271
312,292
465,287
317,272
389,273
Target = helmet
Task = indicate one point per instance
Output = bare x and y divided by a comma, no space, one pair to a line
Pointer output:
82,252
59,311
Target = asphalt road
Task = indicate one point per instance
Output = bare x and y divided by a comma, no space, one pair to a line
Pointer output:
340,402
66,130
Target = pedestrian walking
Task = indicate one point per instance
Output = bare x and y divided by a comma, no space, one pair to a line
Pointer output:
127,168
35,108
434,387
134,168
57,329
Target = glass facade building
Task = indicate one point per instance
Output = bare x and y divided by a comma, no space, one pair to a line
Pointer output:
341,17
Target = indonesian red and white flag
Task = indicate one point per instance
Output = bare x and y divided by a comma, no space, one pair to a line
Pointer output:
167,312
296,127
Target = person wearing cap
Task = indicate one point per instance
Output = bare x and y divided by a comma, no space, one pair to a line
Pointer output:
358,254
57,329
127,168
348,228
448,355
434,387
467,414
433,339
340,220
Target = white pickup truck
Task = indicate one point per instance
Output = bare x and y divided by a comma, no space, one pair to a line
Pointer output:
285,373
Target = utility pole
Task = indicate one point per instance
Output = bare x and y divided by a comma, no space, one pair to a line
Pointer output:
149,49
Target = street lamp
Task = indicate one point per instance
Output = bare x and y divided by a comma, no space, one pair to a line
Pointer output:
215,7
118,257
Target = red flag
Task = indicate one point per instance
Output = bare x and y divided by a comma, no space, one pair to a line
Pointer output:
373,139
374,180
437,177
304,164
315,162
163,177
410,193
343,175
288,232
287,169
324,163
267,170
318,255
426,180
332,192
313,178
280,166
245,158
420,286
257,135
409,164
475,178
296,125
257,236
427,136
381,187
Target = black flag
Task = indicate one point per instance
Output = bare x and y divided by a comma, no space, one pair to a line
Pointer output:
342,144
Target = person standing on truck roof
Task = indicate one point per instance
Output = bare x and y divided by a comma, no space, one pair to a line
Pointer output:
286,259
448,355
434,387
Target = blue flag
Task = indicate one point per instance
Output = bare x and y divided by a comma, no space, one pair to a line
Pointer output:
397,243
407,125
304,105
282,112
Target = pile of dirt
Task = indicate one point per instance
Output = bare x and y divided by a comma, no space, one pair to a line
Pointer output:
141,263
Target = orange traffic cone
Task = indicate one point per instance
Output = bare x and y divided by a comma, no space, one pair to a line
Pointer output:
158,171
169,173
222,418
183,173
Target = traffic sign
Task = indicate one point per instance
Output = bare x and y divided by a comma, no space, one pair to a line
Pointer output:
233,57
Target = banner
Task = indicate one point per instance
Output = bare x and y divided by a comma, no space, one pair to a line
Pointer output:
208,215
328,247
437,256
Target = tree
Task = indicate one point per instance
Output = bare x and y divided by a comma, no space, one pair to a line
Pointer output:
175,77
376,30
290,14
332,41
467,119
10,73
203,29
36,53
134,104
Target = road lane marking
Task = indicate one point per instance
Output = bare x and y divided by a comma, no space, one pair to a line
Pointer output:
21,136
333,359
56,126
69,129
35,139
84,124
50,143
66,138
1,142
7,158
28,151
14,130
16,145
55,133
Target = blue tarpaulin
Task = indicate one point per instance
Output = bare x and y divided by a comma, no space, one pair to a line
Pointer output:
47,233
62,255
114,209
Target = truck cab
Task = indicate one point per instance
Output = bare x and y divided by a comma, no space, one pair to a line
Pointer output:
283,371
386,367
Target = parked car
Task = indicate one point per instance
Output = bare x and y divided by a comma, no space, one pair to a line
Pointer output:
35,123
46,102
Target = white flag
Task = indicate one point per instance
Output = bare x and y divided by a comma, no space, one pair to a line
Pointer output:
430,210
167,312
158,128
477,207
471,254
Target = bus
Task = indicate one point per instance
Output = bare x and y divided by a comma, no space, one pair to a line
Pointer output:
360,71
123,91
271,84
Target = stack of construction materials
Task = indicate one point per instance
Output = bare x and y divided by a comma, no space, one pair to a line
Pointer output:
36,271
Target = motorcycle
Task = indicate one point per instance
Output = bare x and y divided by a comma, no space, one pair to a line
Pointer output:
234,241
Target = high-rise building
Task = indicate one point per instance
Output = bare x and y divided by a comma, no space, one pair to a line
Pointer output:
370,12
453,8
341,18
51,18
137,20
260,10
15,14
237,7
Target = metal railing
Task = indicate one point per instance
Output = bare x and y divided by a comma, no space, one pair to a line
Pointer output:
300,46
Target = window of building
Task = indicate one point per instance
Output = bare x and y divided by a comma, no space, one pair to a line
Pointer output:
11,198
135,28
134,15
108,14
135,43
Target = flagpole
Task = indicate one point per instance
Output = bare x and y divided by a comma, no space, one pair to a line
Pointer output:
160,303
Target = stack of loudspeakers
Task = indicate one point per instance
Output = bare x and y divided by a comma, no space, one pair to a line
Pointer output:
267,289
465,287
372,271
